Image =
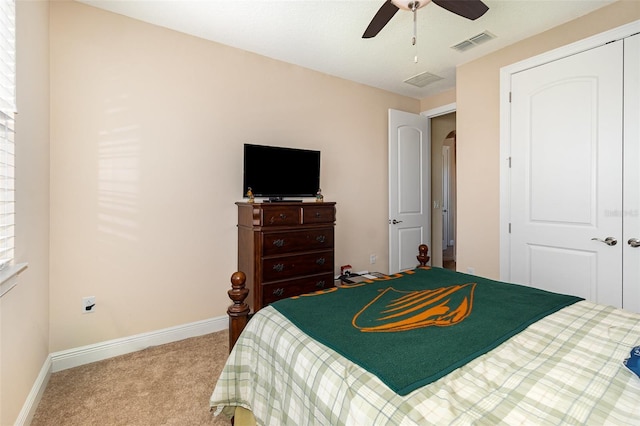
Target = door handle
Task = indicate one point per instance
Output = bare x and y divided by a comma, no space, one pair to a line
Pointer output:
395,222
610,241
634,242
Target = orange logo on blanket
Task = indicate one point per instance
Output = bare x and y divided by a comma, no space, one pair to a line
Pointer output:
394,310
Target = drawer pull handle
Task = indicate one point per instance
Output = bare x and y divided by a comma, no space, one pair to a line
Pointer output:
278,291
320,284
278,243
320,238
320,261
278,267
318,214
273,219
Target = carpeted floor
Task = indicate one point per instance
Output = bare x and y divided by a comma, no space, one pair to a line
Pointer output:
162,385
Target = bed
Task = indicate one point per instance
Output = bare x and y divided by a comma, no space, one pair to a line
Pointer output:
429,346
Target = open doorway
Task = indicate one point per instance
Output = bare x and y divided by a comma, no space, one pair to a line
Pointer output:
443,190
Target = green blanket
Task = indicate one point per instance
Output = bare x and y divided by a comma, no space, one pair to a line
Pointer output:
418,326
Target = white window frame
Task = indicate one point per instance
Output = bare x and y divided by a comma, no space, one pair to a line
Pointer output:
8,268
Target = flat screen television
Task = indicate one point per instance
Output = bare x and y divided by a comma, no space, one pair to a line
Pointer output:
276,173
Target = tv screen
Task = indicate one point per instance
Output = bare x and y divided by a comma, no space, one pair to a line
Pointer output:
275,172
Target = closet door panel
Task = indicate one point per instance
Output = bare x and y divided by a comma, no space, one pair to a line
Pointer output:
566,175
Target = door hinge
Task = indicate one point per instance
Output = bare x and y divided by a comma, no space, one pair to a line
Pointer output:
509,97
509,162
509,228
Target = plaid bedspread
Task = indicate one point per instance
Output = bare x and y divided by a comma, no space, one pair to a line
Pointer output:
564,369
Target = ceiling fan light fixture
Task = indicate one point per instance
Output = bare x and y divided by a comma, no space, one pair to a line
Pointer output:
409,4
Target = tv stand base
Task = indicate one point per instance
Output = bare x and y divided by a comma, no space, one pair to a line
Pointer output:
281,200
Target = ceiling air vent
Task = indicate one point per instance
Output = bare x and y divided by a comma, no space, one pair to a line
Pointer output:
423,79
471,42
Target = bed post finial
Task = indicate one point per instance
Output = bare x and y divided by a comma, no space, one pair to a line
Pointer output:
423,258
238,312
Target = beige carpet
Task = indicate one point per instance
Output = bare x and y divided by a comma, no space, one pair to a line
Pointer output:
163,385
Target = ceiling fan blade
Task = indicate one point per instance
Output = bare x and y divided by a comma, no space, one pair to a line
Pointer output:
470,9
381,18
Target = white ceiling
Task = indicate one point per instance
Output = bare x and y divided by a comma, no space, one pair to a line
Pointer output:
325,35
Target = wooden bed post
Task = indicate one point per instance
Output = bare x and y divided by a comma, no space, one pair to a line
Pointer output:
238,312
422,257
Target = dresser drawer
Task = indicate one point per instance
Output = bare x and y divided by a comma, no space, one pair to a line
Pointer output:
283,267
283,289
296,241
318,214
280,216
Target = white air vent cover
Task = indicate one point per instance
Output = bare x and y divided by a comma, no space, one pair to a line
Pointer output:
423,79
471,42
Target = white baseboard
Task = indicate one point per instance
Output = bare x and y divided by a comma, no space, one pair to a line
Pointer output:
70,358
33,399
97,352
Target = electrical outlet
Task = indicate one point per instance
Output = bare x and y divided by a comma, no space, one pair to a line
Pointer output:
88,304
471,270
372,259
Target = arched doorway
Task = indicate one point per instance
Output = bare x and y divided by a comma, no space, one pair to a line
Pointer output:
443,190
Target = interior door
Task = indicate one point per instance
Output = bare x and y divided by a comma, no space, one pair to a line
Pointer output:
409,188
631,206
566,175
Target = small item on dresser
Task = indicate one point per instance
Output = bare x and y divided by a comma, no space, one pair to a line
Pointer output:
633,362
319,196
250,195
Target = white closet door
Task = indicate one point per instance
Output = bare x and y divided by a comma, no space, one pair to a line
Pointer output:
566,175
631,206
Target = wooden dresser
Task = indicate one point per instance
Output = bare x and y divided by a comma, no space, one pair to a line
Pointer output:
285,249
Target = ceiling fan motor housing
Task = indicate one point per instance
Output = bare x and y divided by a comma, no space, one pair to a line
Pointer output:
410,5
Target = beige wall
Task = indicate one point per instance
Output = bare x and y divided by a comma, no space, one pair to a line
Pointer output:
477,100
24,311
438,100
147,128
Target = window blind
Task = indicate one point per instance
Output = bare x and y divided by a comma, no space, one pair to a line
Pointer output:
7,130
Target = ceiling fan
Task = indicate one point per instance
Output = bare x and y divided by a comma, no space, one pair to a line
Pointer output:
470,9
